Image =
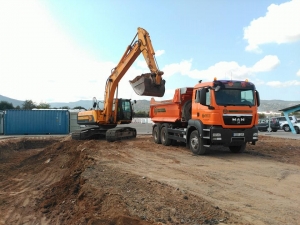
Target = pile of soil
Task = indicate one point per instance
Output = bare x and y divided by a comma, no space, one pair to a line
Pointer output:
50,180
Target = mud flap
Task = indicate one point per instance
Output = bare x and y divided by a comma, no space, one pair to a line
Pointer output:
144,85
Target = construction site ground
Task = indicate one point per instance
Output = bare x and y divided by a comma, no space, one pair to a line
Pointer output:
57,180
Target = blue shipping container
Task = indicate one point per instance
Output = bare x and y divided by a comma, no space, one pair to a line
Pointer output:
36,122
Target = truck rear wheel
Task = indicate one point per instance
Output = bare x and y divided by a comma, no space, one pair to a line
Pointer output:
156,135
196,143
238,149
164,136
187,110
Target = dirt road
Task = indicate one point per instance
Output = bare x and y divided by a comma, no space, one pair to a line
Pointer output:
62,181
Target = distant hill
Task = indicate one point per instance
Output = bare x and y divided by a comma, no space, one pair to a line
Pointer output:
143,105
11,100
87,104
275,105
140,106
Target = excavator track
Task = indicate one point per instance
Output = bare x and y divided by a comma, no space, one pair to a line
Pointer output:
88,133
113,134
120,133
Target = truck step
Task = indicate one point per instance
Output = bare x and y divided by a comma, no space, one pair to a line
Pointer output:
206,133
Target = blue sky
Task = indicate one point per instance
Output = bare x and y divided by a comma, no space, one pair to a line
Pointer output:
61,51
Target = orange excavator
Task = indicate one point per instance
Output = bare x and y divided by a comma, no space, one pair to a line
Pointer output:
103,122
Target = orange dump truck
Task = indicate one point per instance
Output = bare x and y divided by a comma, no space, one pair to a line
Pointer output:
221,112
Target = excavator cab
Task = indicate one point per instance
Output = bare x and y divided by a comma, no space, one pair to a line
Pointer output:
146,85
124,111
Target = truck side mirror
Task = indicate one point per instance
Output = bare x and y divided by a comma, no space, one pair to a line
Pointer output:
197,96
257,98
202,96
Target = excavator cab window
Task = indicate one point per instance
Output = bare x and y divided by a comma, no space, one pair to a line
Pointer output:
124,110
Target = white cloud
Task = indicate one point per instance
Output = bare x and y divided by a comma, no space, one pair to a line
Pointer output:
159,53
38,61
258,82
222,70
184,68
279,84
268,63
298,73
142,64
279,25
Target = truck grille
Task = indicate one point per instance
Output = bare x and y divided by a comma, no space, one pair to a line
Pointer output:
237,119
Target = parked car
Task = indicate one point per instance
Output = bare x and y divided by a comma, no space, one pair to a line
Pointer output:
284,124
297,127
264,124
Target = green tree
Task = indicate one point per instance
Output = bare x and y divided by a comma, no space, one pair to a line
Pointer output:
141,114
261,115
43,105
28,104
65,107
79,107
6,105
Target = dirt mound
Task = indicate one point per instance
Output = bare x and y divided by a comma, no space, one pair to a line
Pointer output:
58,181
94,182
279,149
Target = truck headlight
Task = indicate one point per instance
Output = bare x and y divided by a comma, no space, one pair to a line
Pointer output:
216,136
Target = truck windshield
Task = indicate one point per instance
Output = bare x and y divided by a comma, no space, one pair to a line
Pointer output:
235,97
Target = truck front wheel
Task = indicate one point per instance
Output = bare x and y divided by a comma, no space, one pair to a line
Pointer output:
238,148
164,136
196,143
156,135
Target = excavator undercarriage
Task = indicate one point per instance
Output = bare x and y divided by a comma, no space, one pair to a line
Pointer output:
97,132
120,133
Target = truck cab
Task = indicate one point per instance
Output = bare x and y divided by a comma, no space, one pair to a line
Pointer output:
222,112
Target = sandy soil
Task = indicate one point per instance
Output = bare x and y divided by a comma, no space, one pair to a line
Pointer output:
50,180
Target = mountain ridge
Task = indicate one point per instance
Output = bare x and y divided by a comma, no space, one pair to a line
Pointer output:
143,105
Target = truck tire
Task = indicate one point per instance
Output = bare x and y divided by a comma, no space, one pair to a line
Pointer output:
187,110
196,143
238,148
297,129
164,136
156,135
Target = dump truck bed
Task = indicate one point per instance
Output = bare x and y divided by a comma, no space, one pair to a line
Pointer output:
173,110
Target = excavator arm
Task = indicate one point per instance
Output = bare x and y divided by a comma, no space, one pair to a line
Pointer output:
147,49
150,84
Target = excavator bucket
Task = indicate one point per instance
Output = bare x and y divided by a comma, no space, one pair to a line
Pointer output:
144,85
